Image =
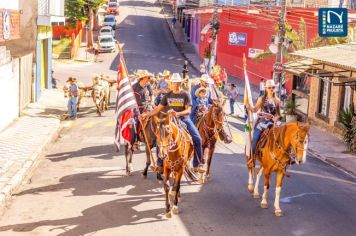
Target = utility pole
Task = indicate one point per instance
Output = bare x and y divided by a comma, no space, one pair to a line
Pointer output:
215,25
277,68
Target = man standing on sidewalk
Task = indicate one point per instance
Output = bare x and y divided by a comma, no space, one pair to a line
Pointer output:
232,94
174,21
73,98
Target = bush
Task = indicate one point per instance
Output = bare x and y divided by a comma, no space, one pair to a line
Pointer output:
348,120
290,108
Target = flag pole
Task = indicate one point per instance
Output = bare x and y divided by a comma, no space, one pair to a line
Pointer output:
248,119
138,110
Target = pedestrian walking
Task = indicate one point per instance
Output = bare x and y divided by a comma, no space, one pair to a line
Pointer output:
232,94
262,87
73,98
174,21
54,81
283,94
202,69
185,70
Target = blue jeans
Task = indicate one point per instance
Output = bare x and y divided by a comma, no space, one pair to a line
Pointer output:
197,142
137,122
256,136
72,106
232,102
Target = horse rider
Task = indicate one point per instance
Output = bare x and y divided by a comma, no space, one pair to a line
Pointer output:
179,104
268,106
162,86
142,92
205,80
202,105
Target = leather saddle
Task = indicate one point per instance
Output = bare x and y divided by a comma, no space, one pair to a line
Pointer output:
262,141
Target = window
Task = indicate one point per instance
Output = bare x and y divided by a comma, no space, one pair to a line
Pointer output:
324,97
346,98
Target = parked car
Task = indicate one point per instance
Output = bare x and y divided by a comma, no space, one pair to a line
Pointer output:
107,30
107,43
110,20
113,8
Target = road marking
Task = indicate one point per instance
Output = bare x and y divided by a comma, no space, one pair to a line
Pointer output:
89,124
237,138
289,199
110,123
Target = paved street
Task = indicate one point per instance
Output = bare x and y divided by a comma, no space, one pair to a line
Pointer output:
80,186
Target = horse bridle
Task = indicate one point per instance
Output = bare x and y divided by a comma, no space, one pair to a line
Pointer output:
214,129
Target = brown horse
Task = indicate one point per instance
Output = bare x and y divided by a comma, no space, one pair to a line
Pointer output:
150,129
283,142
176,146
209,126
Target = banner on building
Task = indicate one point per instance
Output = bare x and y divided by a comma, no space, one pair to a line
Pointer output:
333,22
237,39
254,52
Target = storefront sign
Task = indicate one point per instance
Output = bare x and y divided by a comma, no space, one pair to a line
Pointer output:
254,52
237,39
6,24
332,22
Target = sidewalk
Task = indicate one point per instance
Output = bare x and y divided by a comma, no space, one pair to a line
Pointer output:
322,145
25,139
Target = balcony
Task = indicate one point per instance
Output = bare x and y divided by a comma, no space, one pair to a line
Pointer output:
50,11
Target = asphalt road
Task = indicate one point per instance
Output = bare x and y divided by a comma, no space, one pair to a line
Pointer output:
80,187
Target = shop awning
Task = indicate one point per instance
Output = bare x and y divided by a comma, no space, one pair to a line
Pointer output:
298,67
338,61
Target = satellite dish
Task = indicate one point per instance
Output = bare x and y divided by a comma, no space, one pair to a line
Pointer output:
273,48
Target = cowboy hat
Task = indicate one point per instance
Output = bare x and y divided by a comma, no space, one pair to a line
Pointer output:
270,83
71,79
140,74
176,78
166,73
200,90
206,78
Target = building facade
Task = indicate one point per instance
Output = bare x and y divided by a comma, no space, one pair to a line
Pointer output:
329,82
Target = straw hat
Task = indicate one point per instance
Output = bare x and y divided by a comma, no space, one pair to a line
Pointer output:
166,73
176,78
142,74
270,83
71,79
199,90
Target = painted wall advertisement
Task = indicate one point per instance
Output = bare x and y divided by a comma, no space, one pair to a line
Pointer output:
254,52
237,39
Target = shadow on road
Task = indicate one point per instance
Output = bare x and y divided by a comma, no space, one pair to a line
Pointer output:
108,215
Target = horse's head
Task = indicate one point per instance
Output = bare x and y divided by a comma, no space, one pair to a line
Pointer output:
217,113
300,142
164,134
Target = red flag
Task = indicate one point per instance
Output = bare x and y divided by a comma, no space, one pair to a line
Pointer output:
125,103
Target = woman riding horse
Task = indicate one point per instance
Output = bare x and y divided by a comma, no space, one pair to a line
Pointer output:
269,107
180,104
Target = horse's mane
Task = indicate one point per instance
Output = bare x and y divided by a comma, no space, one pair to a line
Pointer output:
276,136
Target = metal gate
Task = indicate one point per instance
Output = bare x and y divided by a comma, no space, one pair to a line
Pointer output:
25,80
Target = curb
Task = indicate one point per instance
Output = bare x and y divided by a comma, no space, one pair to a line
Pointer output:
331,163
175,41
26,170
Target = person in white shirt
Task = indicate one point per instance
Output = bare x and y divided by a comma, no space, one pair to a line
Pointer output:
262,87
232,94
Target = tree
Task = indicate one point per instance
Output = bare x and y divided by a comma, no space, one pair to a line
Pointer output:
83,10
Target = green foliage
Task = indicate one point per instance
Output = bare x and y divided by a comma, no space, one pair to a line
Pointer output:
79,9
290,106
347,118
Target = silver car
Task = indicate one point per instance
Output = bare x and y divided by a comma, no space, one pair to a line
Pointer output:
107,43
106,30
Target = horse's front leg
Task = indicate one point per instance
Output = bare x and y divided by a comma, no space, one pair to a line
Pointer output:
128,157
210,157
277,209
264,204
256,193
167,173
148,162
177,179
